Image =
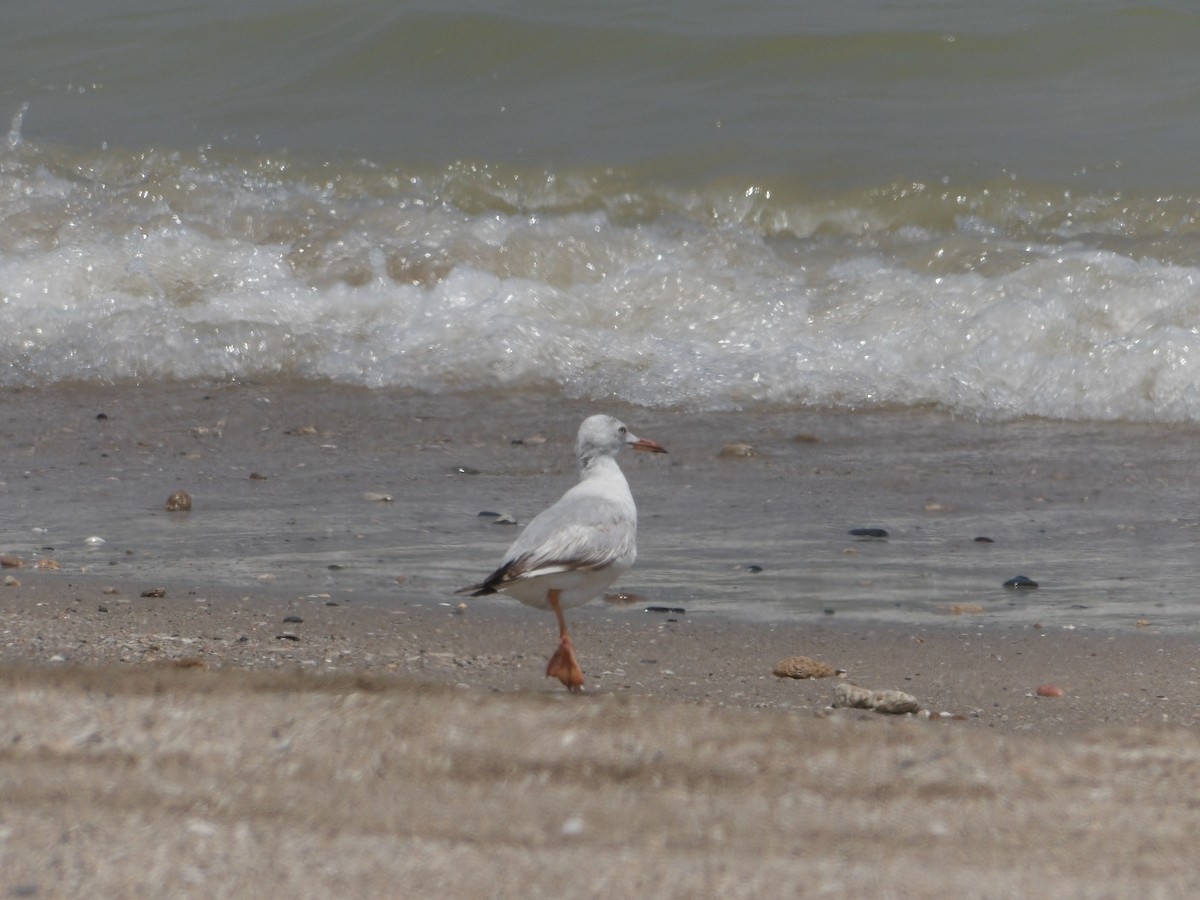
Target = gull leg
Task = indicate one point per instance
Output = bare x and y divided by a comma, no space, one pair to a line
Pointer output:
563,665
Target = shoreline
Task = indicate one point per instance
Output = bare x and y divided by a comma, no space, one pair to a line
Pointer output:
308,709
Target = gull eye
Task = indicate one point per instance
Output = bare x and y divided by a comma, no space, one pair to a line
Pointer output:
621,430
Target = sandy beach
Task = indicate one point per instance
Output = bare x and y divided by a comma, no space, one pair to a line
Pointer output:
307,709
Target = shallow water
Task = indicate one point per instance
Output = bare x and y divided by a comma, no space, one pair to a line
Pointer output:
1103,517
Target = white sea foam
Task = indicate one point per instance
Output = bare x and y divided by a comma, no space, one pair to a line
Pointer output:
989,300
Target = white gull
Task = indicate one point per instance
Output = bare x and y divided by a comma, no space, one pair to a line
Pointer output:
575,549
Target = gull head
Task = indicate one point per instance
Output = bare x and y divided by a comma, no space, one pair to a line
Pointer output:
605,436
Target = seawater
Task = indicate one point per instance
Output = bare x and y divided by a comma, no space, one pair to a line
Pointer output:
704,206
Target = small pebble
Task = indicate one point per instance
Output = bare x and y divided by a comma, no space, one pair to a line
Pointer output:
292,620
1050,690
155,592
464,470
11,562
51,565
1020,581
665,609
10,581
180,501
372,497
984,540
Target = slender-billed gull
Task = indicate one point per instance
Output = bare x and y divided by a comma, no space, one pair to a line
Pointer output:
575,549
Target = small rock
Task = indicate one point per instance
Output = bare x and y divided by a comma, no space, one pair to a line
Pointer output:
11,562
257,476
851,696
302,431
95,541
372,497
737,450
892,702
292,620
895,703
154,592
964,609
1050,690
50,565
10,581
505,519
1020,581
666,609
803,667
180,501
984,540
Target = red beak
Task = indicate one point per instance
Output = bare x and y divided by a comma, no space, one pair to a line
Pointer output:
648,445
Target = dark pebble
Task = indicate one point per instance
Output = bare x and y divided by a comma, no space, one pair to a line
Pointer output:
665,609
286,637
464,470
984,540
101,416
1020,581
103,609
487,514
292,620
334,567
869,532
752,568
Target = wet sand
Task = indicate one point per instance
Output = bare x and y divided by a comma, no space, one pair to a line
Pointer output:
273,725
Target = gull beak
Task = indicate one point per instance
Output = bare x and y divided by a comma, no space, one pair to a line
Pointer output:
648,445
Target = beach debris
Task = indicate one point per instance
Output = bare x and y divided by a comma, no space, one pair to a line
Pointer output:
984,540
464,470
95,540
11,581
892,702
257,476
964,609
155,592
932,506
11,562
666,609
292,620
873,533
1050,690
752,568
737,450
505,519
803,667
1020,581
180,501
302,431
287,636
1142,623
805,438
533,440
49,565
372,497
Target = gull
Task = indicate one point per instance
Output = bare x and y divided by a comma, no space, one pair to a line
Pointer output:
575,549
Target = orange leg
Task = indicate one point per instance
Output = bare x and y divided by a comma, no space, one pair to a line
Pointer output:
563,665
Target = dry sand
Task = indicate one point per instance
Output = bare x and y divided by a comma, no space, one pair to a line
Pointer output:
391,744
